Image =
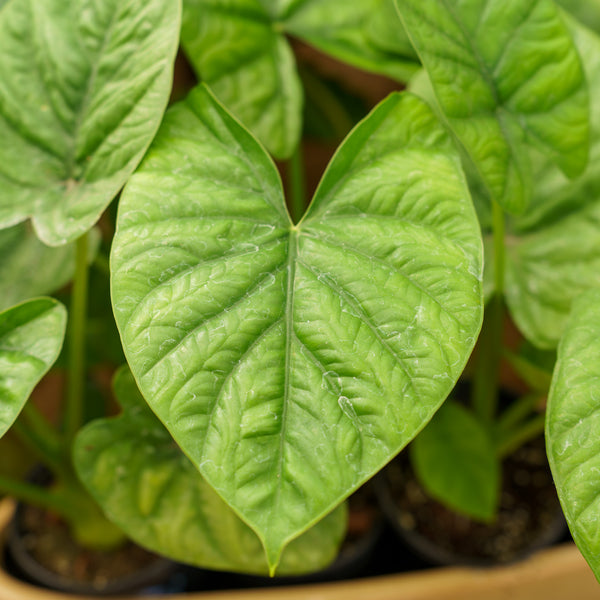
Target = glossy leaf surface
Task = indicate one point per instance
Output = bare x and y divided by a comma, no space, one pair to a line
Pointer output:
572,425
29,268
83,86
455,460
31,336
504,73
553,252
240,50
289,362
147,486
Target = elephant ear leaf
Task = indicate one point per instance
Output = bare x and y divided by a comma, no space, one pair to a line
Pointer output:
291,362
147,486
573,423
506,74
31,336
83,86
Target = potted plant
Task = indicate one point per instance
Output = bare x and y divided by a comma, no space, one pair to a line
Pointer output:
531,273
276,362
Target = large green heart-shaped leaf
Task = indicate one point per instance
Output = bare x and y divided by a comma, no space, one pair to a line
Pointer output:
505,73
553,251
291,362
31,336
572,425
83,86
147,486
455,459
241,52
29,268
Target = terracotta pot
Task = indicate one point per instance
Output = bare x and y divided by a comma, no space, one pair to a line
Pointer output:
554,574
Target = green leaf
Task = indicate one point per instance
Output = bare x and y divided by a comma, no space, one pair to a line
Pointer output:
29,268
83,86
240,50
572,425
291,362
587,12
553,251
31,336
455,460
504,73
249,65
147,486
365,33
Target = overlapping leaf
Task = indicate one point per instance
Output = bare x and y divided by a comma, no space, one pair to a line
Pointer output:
553,251
455,459
147,486
29,268
240,50
31,336
572,425
83,86
505,74
291,362
364,33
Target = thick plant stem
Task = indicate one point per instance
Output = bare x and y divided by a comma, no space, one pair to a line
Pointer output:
297,187
485,383
73,413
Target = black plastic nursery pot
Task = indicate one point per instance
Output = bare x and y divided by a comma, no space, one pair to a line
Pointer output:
529,514
138,569
553,574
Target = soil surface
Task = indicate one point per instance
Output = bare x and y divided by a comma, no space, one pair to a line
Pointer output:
529,515
46,538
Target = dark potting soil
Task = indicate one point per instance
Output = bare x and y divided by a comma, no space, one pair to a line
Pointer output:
529,514
47,540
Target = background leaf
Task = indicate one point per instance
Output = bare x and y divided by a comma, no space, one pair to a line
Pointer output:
587,12
240,50
147,486
29,268
289,362
83,86
504,73
249,65
455,459
31,336
553,250
572,425
365,33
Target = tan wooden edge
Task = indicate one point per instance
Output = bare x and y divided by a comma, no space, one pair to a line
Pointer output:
559,573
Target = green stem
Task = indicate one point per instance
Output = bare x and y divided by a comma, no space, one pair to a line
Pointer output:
73,413
485,382
517,412
528,431
40,439
35,495
297,187
337,115
101,263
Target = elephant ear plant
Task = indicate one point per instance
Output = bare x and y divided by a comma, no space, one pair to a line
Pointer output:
276,362
288,361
